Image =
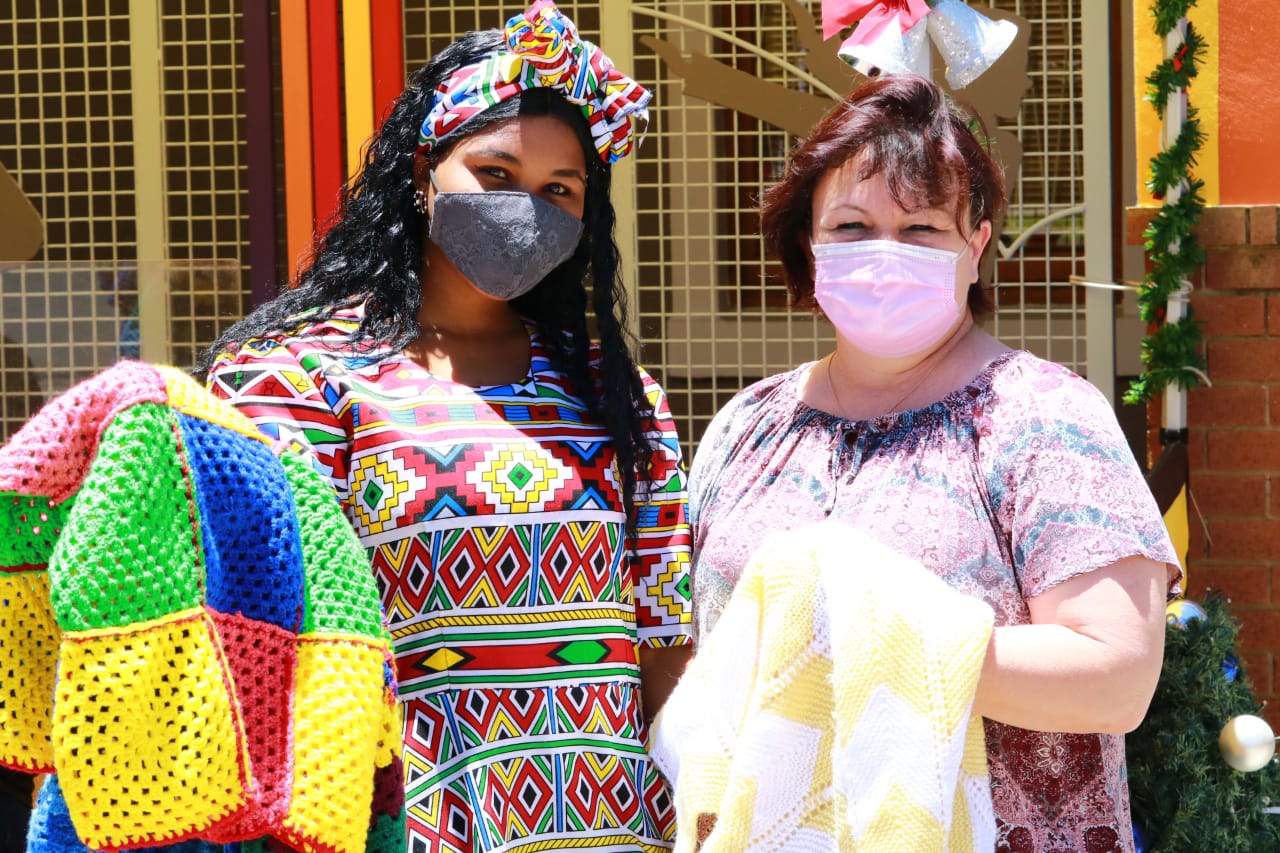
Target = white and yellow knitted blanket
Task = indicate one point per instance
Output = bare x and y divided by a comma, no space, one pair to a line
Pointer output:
830,708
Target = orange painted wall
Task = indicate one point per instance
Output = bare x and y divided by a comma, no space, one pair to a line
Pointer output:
1249,103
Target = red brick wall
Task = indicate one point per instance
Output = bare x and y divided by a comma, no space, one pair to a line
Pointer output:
1234,431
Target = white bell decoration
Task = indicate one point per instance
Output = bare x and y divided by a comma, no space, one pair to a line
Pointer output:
891,51
970,42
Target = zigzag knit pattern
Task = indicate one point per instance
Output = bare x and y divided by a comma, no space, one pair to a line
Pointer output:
190,633
830,708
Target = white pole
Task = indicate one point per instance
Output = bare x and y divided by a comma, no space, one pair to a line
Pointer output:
1099,304
148,158
1175,115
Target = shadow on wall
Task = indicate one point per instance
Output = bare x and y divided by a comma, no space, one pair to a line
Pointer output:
1133,422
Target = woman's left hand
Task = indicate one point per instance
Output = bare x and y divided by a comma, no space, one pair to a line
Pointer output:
1090,659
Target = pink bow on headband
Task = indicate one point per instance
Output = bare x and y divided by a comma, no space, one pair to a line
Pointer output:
871,16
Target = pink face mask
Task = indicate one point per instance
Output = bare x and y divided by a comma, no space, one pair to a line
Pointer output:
888,299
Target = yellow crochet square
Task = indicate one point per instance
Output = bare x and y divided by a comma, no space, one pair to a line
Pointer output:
28,664
191,399
146,736
338,703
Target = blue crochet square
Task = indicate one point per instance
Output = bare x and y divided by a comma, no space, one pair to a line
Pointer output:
253,552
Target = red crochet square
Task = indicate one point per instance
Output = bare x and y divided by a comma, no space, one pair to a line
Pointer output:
262,659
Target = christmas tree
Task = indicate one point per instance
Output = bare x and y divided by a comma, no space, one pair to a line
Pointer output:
1186,798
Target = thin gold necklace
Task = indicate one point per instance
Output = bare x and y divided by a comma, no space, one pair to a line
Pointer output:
835,395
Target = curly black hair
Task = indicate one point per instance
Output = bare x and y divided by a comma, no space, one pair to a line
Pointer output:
371,249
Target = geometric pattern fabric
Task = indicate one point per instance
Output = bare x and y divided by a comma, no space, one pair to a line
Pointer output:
516,602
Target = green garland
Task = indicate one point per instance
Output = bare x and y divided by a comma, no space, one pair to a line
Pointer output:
1172,353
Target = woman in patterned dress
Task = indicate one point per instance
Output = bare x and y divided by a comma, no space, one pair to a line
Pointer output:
1005,475
518,487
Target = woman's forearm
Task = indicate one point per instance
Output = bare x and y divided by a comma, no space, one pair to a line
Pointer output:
1051,678
1089,661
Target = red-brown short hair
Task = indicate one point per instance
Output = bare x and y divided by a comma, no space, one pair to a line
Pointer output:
905,127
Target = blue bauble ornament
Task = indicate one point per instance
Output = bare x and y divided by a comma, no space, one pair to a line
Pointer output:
1184,611
1231,667
1139,840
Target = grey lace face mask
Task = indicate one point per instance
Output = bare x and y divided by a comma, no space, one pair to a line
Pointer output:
503,242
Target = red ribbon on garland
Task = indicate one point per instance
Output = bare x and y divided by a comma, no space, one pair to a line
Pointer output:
871,16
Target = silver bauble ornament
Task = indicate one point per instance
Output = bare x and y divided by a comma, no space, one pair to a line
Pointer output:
1247,743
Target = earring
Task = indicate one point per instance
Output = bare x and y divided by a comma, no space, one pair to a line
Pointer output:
420,201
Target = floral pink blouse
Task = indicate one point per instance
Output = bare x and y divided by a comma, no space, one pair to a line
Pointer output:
1005,488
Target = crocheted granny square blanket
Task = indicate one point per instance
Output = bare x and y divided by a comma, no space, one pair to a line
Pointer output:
830,708
190,633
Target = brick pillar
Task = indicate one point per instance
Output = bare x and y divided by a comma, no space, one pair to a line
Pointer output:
1234,432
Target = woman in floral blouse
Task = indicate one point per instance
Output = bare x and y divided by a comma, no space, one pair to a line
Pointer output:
1004,474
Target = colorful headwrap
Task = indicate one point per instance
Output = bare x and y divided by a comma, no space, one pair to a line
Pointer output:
543,49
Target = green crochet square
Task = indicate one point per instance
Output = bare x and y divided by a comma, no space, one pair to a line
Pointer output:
341,593
29,528
386,835
131,551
